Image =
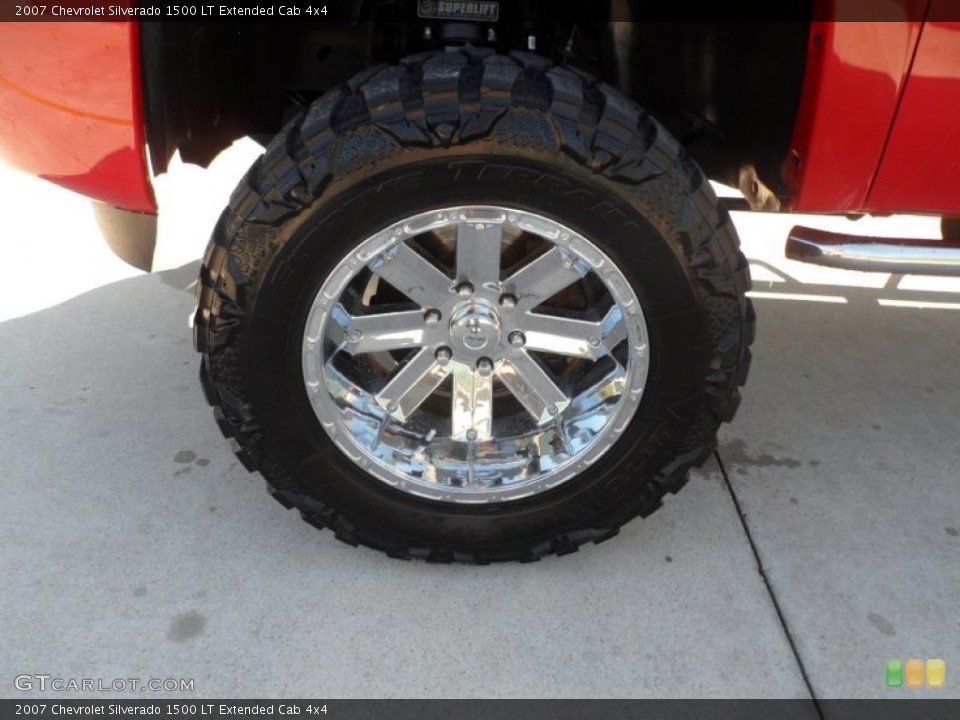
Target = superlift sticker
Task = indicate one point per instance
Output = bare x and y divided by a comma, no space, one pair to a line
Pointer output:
453,10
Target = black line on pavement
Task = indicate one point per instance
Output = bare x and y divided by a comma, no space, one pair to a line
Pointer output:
766,582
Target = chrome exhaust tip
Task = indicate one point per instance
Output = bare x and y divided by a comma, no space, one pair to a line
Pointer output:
900,256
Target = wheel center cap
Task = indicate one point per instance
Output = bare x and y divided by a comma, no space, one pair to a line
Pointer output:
475,326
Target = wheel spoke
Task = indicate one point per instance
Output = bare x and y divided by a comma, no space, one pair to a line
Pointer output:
532,386
563,336
614,328
478,252
410,273
576,338
544,277
607,389
413,384
383,331
472,404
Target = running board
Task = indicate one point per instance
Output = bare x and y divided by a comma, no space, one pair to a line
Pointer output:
900,256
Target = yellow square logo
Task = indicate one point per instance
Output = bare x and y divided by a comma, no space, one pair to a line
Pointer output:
936,673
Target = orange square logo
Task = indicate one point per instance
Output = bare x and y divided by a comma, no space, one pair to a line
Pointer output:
914,673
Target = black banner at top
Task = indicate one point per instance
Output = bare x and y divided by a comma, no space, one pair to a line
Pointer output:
566,11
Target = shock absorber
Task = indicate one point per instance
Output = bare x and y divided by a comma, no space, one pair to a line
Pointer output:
451,23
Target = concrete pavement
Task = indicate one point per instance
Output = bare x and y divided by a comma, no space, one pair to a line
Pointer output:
135,545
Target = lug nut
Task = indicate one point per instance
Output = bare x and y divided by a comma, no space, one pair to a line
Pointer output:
552,409
471,434
465,289
517,339
508,301
594,341
355,336
484,366
432,317
443,355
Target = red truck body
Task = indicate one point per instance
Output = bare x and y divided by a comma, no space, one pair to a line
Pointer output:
877,129
71,108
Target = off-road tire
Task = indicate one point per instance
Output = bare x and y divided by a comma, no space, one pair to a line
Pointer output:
555,139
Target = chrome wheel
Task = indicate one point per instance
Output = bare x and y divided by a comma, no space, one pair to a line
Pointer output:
475,354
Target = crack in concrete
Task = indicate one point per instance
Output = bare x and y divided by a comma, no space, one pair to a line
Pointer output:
766,583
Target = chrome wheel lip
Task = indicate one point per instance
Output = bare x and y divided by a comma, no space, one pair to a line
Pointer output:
501,304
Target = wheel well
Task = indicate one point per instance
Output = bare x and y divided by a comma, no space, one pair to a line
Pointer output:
728,91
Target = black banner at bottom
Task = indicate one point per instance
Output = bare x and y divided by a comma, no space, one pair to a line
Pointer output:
927,709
